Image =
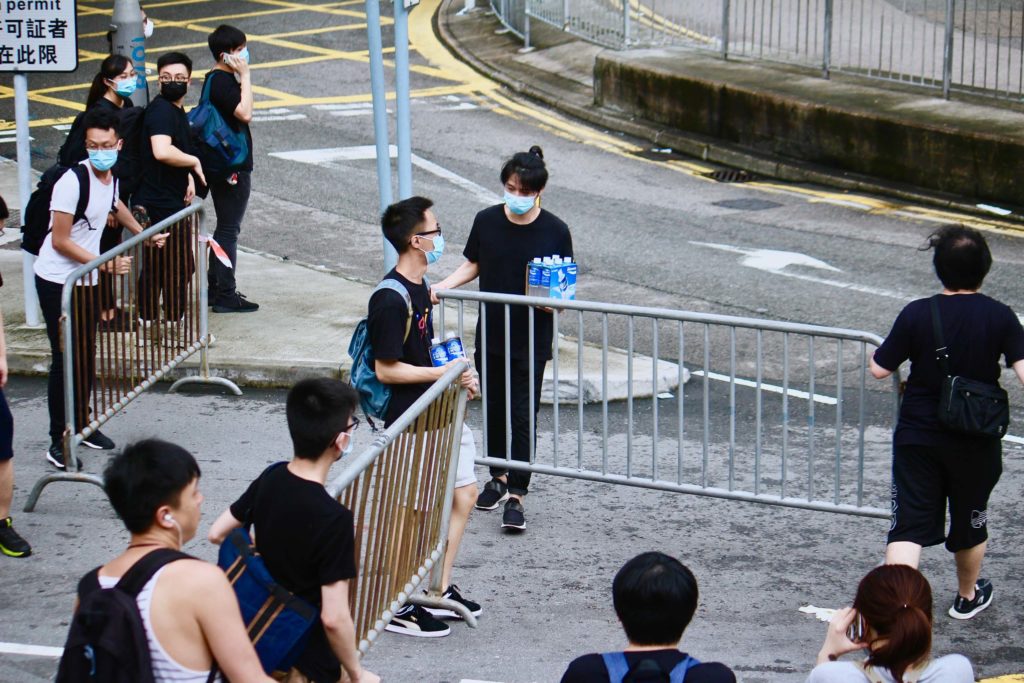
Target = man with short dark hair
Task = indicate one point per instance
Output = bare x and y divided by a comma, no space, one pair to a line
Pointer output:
230,91
190,612
305,536
170,172
655,597
68,245
401,349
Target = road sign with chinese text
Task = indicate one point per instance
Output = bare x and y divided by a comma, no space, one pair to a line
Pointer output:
38,35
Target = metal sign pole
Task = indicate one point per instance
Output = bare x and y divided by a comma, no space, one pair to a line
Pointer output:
129,40
403,127
24,190
380,120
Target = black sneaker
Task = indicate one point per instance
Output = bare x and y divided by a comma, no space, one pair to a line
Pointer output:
452,593
494,494
11,544
235,304
513,518
98,441
413,620
55,454
965,609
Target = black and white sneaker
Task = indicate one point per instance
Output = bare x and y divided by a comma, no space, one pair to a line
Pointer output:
452,593
413,620
965,609
494,494
55,456
99,441
513,518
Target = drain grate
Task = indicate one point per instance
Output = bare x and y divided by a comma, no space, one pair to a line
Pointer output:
731,175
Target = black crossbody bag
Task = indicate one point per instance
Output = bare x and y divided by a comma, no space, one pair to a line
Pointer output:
966,405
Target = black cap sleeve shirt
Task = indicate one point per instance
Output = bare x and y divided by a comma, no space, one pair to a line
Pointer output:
502,250
163,186
978,331
306,540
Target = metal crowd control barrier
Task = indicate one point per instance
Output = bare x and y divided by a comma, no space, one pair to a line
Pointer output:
781,413
400,492
160,320
954,45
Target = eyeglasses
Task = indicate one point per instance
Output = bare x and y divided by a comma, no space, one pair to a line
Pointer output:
436,231
354,426
96,148
174,79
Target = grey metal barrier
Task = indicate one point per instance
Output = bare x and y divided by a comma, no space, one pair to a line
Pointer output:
774,412
953,45
512,15
400,492
159,320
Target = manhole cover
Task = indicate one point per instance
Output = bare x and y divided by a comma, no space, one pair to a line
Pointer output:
747,204
731,175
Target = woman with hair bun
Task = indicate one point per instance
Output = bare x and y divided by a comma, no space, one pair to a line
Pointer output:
891,618
504,239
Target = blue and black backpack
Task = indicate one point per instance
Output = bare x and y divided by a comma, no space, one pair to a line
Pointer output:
618,667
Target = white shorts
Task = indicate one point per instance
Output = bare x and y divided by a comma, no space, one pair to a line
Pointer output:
464,475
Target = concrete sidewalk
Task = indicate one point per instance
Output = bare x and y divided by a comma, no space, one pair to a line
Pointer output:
770,119
306,319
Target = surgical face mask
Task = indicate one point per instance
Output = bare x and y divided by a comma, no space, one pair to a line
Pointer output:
147,29
126,87
348,447
434,254
244,54
519,205
103,159
173,91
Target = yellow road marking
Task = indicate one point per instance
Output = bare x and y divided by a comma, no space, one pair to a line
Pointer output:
1009,678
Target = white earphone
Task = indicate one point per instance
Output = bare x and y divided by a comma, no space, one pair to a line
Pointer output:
168,517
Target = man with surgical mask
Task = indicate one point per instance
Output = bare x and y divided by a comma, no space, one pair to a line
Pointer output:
74,239
170,173
401,349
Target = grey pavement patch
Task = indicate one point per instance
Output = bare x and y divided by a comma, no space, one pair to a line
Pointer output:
747,204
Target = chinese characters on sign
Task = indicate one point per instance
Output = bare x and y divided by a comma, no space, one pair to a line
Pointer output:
38,35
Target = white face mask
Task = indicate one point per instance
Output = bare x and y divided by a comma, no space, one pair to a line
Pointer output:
147,28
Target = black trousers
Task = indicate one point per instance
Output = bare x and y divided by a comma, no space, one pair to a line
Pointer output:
165,274
519,389
85,308
230,202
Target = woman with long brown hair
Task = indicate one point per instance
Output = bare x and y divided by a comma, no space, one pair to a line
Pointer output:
891,619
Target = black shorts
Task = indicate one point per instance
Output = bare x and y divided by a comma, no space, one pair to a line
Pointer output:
6,430
925,477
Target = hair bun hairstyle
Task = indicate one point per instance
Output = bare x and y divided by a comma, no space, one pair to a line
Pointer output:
537,151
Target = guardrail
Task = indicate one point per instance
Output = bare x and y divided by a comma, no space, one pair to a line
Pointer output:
400,492
954,45
782,412
162,320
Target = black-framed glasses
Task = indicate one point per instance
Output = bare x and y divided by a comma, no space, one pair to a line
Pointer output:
435,231
354,425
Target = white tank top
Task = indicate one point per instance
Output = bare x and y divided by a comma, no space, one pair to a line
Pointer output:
165,669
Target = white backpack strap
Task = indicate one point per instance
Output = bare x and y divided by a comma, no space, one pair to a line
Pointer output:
396,286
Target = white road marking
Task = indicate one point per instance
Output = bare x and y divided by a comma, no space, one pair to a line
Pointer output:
13,138
62,126
348,105
1013,439
771,388
10,235
30,650
364,152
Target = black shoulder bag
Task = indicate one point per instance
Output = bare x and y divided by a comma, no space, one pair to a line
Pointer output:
966,405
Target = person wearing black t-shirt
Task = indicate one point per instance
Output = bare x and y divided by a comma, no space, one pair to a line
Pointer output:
503,240
170,173
930,463
230,88
305,536
402,361
655,597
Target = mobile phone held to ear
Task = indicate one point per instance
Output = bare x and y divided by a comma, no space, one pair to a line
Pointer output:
857,630
227,57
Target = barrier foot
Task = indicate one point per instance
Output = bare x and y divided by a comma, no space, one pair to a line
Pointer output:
440,603
45,480
219,381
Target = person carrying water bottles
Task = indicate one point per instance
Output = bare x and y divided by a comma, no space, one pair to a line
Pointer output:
504,239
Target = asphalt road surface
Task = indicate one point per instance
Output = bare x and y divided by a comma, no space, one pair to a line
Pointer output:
649,230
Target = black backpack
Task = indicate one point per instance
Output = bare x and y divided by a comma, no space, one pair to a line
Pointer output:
36,221
107,639
128,169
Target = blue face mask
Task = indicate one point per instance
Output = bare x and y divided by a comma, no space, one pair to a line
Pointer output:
519,205
244,55
126,87
103,159
434,254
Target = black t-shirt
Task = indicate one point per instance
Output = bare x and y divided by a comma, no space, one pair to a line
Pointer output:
977,330
386,323
163,186
591,669
306,540
226,94
503,249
